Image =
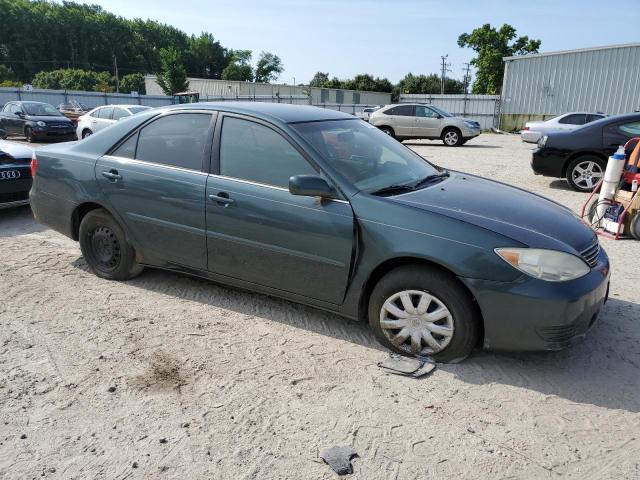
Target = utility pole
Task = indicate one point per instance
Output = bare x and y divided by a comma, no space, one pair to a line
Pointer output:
445,69
115,67
466,80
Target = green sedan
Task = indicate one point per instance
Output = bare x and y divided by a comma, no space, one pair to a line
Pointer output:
321,208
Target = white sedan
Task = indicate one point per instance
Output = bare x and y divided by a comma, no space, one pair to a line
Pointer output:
102,117
532,131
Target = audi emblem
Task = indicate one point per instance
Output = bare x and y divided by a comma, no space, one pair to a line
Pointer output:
9,174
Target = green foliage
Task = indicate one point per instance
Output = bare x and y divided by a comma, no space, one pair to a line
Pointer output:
172,77
363,81
75,79
6,74
133,82
10,83
239,67
427,84
491,46
268,68
44,35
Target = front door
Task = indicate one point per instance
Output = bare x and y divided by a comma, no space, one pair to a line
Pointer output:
155,183
258,232
427,123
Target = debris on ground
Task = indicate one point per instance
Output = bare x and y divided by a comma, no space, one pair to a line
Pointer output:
408,367
339,458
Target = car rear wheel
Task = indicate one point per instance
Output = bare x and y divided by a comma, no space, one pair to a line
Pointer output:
424,311
86,133
585,172
452,137
389,131
105,247
28,134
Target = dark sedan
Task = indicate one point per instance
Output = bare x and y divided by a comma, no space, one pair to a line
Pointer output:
36,121
15,174
580,156
322,208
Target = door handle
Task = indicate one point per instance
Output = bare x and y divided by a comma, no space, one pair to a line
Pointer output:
222,198
112,175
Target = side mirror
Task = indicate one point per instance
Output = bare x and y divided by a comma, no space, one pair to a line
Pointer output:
20,114
439,116
311,186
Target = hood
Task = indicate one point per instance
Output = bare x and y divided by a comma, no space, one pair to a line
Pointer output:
17,151
48,119
523,216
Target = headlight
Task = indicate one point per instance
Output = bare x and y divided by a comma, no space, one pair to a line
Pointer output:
543,141
41,124
549,265
470,125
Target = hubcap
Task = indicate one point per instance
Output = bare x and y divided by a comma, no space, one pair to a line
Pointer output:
105,248
587,174
417,322
451,138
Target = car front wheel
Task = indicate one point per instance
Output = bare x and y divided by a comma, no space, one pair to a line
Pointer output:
452,137
584,173
424,311
28,133
389,131
105,247
86,133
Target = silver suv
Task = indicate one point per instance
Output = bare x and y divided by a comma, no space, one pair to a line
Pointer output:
414,120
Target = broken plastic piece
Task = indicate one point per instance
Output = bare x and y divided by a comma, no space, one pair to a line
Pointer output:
410,367
339,458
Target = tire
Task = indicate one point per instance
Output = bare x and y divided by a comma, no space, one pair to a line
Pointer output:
591,212
105,247
28,134
86,133
452,137
440,289
389,131
584,172
635,226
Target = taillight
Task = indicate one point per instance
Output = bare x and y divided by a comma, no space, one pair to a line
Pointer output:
525,128
34,165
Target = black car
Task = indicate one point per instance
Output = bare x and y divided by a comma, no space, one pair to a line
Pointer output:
15,174
580,156
36,121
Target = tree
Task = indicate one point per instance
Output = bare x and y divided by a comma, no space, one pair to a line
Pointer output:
492,45
172,77
319,79
268,68
75,79
206,58
6,73
133,82
239,67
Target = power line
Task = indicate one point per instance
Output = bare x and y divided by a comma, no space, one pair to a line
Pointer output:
444,70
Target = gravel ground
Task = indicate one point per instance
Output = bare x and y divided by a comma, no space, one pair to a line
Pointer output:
170,377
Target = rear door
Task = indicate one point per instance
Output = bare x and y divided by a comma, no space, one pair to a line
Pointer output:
259,232
155,181
427,123
101,118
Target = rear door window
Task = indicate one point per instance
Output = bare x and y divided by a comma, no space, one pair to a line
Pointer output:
176,140
574,119
105,113
402,110
119,113
630,129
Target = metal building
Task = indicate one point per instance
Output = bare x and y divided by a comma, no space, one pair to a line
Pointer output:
600,79
214,89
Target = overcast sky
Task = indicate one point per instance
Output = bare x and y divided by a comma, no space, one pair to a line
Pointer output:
386,38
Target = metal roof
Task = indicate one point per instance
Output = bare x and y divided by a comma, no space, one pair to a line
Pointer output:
565,52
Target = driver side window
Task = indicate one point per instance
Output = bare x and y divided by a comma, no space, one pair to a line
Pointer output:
254,152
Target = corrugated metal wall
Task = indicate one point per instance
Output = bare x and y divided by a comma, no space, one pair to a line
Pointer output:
597,80
90,99
481,108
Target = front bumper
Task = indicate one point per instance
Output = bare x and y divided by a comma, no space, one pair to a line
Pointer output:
534,315
547,162
15,192
470,132
48,133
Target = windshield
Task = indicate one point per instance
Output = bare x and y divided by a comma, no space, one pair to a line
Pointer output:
444,113
41,110
364,155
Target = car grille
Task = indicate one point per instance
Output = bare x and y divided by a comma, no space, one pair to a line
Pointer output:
59,125
590,254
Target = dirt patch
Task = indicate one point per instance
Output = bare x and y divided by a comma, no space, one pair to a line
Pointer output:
164,373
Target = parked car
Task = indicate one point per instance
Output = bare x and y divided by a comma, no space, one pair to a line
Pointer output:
581,155
73,110
36,121
3,134
321,208
366,113
102,117
532,131
409,120
15,174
